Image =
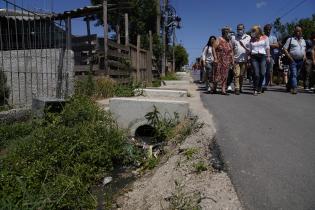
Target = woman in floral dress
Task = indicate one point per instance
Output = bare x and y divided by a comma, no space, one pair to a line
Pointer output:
225,59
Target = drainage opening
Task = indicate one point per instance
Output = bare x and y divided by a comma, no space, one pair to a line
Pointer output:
145,133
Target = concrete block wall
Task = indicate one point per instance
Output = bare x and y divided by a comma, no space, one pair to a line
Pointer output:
33,73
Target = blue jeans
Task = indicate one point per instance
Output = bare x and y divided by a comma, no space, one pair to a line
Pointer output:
259,68
269,70
295,69
208,74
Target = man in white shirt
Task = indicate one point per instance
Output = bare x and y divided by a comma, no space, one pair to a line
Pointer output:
295,49
240,43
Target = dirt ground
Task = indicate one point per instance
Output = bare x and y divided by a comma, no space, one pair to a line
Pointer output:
176,184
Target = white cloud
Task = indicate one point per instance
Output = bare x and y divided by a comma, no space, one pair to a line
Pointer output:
260,4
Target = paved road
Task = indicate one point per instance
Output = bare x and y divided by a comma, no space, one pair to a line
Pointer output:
268,143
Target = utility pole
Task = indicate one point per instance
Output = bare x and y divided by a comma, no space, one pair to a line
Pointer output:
105,36
158,18
164,37
174,44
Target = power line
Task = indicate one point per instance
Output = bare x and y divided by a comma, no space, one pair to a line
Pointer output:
292,9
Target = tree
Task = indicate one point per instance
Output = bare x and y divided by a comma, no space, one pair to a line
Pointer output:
142,16
181,57
287,29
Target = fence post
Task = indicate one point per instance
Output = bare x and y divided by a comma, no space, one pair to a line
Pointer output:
88,30
118,36
105,37
126,29
138,58
69,47
149,59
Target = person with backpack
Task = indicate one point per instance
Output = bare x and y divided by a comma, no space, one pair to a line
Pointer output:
240,43
309,79
294,49
209,58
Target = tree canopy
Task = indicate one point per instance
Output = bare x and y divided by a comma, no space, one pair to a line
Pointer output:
142,15
283,30
181,57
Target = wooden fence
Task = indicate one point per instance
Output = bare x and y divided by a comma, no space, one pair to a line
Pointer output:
126,63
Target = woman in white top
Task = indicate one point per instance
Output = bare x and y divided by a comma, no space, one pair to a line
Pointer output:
208,60
260,55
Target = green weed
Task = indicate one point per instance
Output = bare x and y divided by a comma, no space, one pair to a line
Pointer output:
200,167
190,152
53,164
183,201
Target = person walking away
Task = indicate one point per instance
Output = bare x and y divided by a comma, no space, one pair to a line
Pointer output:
260,56
240,44
294,49
309,80
225,57
274,51
208,59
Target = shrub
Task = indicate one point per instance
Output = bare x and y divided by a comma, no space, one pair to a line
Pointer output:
9,132
104,87
56,165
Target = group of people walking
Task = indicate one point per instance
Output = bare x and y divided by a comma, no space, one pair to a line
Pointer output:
255,55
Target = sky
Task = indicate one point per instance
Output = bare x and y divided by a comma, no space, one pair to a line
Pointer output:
201,18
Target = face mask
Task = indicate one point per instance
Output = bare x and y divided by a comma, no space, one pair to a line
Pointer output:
253,34
229,36
240,32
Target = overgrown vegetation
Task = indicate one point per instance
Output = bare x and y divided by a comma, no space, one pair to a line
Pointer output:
104,87
170,76
183,201
54,163
163,125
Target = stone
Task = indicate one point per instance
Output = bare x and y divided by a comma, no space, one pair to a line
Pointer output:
41,105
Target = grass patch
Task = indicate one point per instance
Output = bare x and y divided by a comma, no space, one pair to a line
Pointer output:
54,163
182,200
170,76
150,163
190,152
200,167
156,83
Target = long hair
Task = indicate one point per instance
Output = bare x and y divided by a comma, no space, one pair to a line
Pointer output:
258,29
209,44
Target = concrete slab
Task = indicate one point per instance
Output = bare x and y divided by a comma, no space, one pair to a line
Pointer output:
130,112
164,93
175,82
42,104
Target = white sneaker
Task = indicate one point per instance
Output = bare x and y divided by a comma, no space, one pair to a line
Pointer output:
230,88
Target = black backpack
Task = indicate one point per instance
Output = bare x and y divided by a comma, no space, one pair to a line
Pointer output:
286,60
